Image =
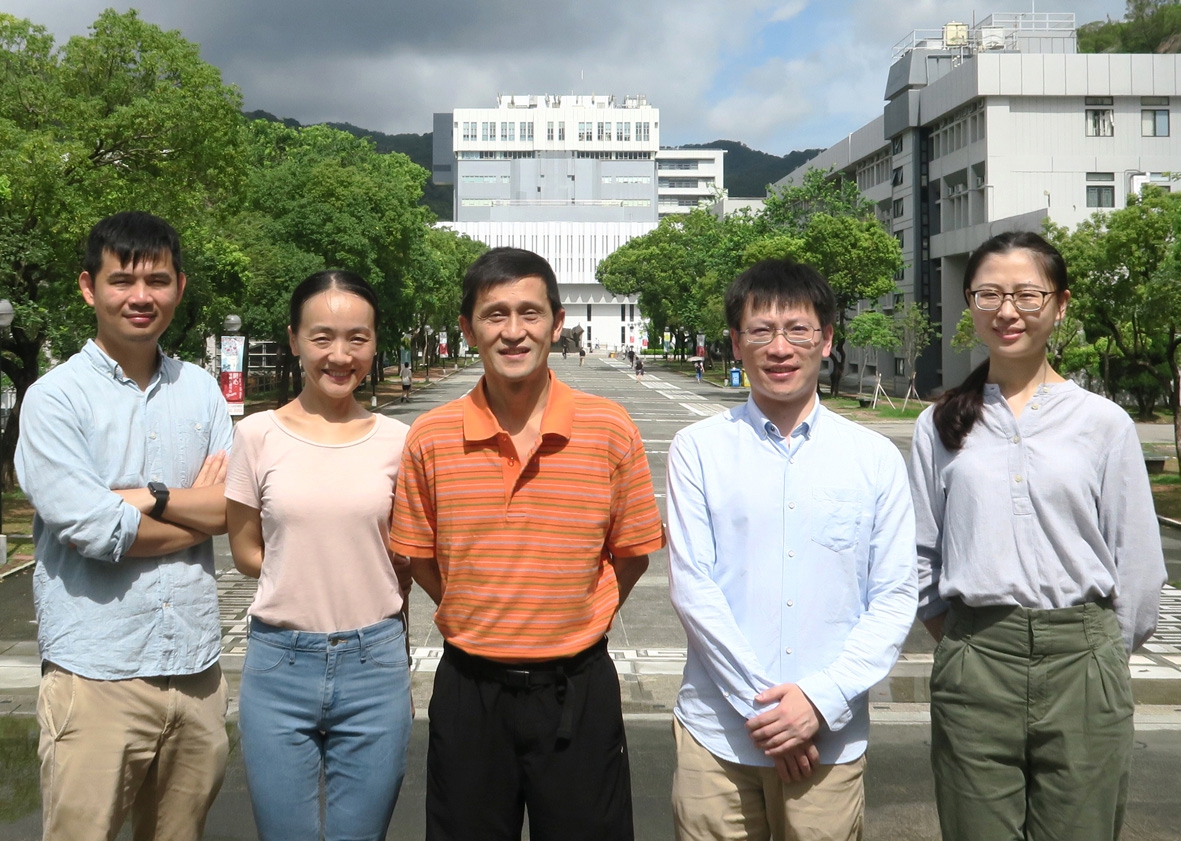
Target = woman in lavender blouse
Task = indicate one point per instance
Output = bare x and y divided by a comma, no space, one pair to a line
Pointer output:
1040,570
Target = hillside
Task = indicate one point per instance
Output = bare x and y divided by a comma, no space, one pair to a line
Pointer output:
748,171
417,147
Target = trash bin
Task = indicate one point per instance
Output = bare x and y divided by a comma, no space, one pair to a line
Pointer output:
735,378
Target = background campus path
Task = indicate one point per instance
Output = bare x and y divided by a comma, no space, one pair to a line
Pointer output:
648,646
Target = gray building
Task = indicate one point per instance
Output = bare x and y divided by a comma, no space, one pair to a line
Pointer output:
997,127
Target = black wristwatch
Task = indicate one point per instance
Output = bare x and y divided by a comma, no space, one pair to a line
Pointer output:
160,491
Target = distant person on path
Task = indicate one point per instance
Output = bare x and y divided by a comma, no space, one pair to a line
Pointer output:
326,680
1040,569
407,381
581,356
527,511
698,370
792,568
639,369
122,455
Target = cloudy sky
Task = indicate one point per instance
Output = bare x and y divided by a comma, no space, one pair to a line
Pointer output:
777,75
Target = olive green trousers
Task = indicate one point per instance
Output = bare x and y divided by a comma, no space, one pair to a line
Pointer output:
1031,724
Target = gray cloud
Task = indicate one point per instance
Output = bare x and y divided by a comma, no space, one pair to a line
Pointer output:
389,66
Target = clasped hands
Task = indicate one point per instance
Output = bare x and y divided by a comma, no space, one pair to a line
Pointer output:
785,732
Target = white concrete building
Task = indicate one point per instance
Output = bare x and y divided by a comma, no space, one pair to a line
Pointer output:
688,178
994,128
572,178
575,249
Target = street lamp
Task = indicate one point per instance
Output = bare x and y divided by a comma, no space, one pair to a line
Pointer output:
726,356
428,331
7,313
232,324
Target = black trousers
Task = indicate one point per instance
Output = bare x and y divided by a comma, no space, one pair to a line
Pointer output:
494,751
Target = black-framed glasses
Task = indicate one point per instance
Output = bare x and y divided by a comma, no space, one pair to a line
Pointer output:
1025,300
797,334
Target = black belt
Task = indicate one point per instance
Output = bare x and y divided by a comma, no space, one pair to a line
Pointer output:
529,675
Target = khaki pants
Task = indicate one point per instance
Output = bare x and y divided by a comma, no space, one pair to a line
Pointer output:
716,799
154,748
1031,724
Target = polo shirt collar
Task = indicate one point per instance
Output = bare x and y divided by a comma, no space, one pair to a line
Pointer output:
479,424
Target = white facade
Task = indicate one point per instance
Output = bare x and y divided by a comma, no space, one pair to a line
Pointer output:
688,178
996,128
574,250
571,178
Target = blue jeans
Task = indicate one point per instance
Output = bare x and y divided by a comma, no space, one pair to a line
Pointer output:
336,704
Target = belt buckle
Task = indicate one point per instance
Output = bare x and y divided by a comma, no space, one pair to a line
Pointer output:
516,678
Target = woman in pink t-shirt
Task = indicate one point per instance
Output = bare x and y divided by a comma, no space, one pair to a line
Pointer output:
326,679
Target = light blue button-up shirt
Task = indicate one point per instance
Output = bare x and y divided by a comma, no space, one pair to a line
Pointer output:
791,560
85,428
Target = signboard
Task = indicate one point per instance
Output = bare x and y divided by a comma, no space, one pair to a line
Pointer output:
442,345
701,344
233,373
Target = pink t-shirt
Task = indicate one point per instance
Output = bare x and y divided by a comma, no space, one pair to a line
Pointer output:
325,522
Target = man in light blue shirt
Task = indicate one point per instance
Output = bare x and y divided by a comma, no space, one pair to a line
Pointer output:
792,568
122,454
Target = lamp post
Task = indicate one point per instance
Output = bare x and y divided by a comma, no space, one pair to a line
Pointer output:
7,313
726,356
428,331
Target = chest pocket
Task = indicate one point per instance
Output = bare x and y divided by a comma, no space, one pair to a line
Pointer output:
836,515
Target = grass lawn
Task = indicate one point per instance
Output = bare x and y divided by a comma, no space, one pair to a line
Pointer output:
1166,491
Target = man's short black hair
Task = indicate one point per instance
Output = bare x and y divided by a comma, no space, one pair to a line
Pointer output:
506,265
780,283
134,237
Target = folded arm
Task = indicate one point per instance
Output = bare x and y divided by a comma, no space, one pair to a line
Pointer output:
245,530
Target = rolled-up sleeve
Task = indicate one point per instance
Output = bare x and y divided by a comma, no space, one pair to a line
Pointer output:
57,474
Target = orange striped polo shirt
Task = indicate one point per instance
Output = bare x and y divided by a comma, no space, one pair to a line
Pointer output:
523,547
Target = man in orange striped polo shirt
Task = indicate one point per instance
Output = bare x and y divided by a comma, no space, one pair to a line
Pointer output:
527,512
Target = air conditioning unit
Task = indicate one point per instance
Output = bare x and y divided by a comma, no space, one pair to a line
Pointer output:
992,37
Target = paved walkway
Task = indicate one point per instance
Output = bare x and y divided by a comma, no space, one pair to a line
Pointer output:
648,647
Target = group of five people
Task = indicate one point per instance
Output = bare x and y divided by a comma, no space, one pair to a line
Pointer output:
800,549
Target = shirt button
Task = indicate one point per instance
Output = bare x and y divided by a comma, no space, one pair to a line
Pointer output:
198,427
790,603
791,461
791,553
1016,439
791,505
788,651
1034,407
1016,478
152,435
167,604
155,478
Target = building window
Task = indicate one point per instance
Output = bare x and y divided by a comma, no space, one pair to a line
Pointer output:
562,130
584,132
897,179
619,131
900,367
484,132
549,130
642,133
901,241
627,131
898,207
588,312
1155,122
1100,195
1101,120
633,313
526,131
896,146
599,129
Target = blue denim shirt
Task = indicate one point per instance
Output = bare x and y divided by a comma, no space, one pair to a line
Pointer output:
85,428
791,560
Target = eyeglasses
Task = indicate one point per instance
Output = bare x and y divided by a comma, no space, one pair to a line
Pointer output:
1025,300
797,334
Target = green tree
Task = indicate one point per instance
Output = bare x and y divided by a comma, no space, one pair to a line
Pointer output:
915,333
874,331
127,116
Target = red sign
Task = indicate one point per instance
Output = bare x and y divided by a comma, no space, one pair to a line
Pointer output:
233,386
